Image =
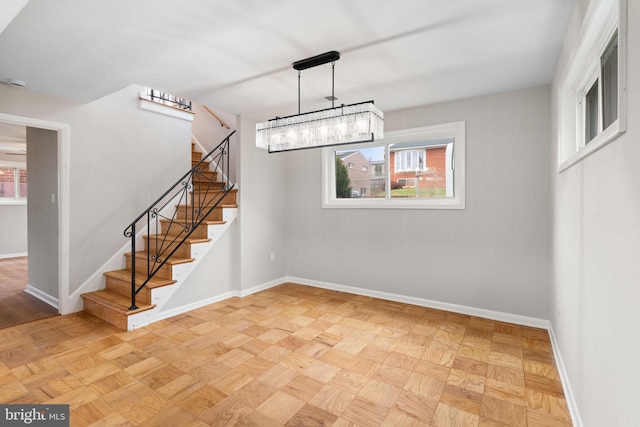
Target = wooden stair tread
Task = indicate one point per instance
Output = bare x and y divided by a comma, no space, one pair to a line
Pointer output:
116,302
233,190
185,221
210,181
125,275
174,260
190,240
190,208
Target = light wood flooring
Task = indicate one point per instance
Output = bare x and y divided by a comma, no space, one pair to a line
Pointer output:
292,355
17,306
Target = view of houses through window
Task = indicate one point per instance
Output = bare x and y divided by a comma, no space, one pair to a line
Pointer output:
13,183
414,168
418,169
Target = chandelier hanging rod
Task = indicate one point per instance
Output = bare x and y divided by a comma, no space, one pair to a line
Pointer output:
314,61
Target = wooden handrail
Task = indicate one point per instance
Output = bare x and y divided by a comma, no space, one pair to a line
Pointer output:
222,123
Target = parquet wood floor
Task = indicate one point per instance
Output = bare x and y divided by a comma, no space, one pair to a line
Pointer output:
289,356
17,306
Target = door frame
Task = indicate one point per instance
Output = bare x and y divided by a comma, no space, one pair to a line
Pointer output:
63,199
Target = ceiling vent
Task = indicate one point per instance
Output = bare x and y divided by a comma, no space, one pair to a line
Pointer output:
17,83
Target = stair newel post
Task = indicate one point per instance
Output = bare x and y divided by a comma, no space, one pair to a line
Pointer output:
228,183
186,207
133,267
194,218
149,249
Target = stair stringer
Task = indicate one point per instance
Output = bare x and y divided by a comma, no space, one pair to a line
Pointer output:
160,296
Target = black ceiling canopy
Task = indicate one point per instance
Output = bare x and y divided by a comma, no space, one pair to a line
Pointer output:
314,61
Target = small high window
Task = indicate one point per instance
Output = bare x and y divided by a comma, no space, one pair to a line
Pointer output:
609,74
592,87
601,97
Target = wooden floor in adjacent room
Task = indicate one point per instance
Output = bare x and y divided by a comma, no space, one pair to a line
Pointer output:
292,355
17,306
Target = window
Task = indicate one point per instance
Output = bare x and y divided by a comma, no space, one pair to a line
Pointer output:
601,98
609,74
13,184
166,99
425,170
409,160
591,113
406,183
167,104
591,90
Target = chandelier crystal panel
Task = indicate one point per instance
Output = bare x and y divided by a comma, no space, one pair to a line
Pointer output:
345,124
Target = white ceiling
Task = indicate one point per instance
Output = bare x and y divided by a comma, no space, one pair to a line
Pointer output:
8,10
236,55
13,142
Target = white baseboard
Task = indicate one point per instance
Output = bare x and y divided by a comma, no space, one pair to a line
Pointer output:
422,302
21,254
564,378
262,287
198,304
193,306
52,301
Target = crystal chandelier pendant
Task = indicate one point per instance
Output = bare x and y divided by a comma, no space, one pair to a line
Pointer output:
345,124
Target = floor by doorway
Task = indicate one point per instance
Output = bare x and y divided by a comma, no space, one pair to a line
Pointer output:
16,305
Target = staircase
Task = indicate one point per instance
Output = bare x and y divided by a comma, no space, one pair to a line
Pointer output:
170,253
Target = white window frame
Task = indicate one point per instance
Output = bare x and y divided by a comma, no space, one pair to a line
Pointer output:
17,167
602,20
455,130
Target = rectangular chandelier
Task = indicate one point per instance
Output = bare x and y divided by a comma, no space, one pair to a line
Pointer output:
345,124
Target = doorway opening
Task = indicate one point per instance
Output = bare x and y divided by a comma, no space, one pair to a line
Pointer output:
39,265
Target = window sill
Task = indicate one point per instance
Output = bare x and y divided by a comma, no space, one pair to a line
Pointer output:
13,202
408,203
607,136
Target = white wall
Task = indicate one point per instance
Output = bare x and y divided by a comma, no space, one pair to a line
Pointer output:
213,276
121,158
13,230
262,212
494,255
596,270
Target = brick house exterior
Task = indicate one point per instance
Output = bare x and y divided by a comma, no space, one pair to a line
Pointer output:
423,163
359,170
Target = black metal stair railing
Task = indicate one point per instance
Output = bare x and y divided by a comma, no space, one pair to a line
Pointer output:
195,195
